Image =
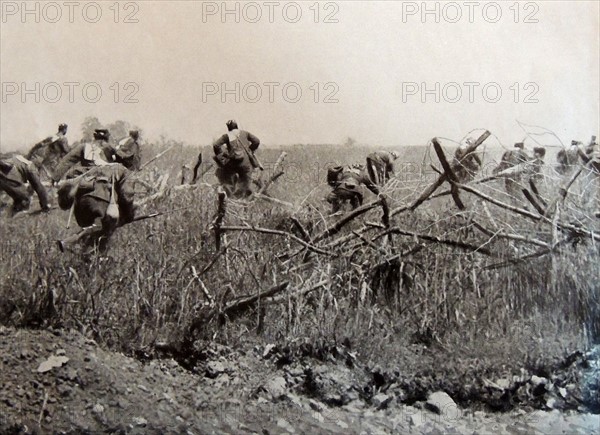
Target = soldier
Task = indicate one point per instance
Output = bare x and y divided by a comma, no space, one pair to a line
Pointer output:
128,151
47,152
568,159
591,156
468,165
102,201
535,173
86,155
346,186
234,155
15,172
380,165
510,159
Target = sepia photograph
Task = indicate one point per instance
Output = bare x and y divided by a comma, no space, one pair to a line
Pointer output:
299,217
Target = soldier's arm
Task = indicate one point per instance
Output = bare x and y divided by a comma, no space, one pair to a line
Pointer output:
39,189
369,184
63,145
389,167
72,157
254,142
219,143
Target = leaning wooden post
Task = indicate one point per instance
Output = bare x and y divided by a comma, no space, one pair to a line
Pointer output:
450,175
218,221
442,178
276,173
184,171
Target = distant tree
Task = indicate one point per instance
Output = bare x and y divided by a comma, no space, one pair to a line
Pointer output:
118,129
88,126
350,142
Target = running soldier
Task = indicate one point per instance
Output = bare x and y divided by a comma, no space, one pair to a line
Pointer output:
380,166
85,156
101,201
511,159
46,153
234,155
15,172
467,165
346,186
128,151
567,159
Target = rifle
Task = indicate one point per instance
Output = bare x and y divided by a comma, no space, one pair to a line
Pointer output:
251,156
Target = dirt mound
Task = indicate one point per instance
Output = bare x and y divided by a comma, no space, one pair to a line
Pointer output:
61,382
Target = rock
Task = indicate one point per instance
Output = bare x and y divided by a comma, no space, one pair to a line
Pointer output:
268,349
315,405
284,424
536,380
98,409
381,401
503,383
144,389
441,403
214,369
551,403
52,362
276,387
562,392
415,420
64,390
60,352
140,421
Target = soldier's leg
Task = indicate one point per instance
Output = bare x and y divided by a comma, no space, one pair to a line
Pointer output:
18,192
372,171
92,211
244,179
334,200
225,179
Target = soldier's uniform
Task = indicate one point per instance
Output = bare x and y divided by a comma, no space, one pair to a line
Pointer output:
47,152
512,158
468,165
537,163
346,184
235,160
380,165
592,156
85,156
128,151
568,159
15,172
91,196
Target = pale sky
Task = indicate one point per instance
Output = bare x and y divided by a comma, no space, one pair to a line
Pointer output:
370,58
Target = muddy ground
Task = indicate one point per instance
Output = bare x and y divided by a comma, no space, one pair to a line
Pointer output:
61,382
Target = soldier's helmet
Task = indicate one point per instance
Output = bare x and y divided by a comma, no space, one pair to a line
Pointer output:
62,127
231,125
540,151
395,154
134,134
102,134
520,145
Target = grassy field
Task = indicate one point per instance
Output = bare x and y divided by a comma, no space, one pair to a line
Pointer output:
439,282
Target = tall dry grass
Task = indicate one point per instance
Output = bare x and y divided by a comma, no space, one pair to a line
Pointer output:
143,291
